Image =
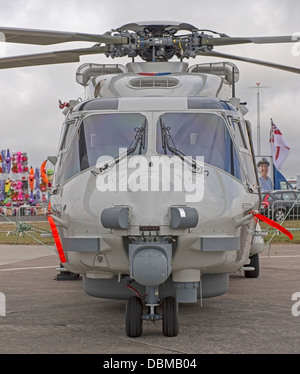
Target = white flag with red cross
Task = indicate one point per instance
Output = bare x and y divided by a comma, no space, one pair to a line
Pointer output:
279,146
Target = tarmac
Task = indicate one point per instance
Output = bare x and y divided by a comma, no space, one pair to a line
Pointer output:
43,315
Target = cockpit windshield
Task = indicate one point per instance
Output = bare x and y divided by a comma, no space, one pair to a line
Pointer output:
109,135
104,135
198,134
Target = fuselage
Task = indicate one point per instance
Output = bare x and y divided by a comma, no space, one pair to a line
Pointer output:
155,166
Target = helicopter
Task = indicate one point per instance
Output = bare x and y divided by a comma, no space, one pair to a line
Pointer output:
155,187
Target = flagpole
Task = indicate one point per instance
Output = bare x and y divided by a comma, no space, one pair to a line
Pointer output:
258,119
258,87
271,139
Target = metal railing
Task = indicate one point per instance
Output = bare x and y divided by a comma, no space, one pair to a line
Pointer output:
23,213
281,210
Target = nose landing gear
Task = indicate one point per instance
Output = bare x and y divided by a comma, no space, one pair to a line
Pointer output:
133,320
170,323
134,315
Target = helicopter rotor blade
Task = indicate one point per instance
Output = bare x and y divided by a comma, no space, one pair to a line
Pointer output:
41,37
48,58
227,40
251,60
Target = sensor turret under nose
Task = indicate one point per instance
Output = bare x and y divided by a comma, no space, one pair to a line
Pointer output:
150,265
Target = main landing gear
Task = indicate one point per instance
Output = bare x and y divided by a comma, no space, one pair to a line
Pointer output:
253,271
134,314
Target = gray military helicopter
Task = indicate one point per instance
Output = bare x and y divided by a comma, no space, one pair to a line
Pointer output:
155,186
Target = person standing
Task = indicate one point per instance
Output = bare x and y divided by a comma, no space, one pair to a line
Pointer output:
264,180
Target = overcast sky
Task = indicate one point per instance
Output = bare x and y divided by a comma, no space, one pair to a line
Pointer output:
30,119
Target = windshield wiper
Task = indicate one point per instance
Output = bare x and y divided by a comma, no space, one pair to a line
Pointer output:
139,139
167,139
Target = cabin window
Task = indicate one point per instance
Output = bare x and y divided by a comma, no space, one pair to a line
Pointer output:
199,134
105,135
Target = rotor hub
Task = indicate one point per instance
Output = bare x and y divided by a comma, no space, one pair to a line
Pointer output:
159,42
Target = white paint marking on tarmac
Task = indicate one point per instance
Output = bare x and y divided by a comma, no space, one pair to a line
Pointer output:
286,256
30,268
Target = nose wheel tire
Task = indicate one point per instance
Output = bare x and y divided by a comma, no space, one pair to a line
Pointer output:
133,320
170,323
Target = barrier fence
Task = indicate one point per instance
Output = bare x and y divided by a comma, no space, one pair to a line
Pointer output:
23,212
32,220
281,210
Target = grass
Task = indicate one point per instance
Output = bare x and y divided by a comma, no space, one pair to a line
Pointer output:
292,225
26,233
32,233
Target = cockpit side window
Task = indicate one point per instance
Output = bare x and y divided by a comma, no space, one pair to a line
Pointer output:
241,138
66,134
239,135
200,134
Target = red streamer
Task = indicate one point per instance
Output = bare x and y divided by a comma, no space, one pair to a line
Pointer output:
57,240
273,224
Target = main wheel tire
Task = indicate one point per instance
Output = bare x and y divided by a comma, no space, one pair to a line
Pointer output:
254,262
170,323
279,215
133,320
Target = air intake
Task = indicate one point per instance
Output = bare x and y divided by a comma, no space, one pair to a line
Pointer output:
154,82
